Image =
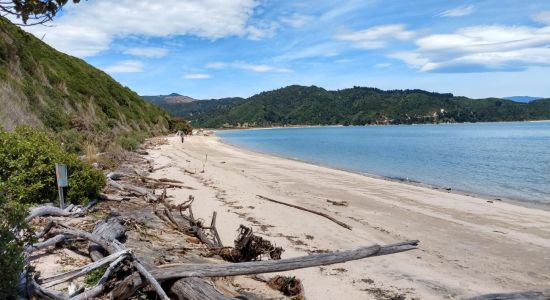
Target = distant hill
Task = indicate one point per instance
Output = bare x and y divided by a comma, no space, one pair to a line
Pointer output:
42,87
523,99
192,109
301,105
173,98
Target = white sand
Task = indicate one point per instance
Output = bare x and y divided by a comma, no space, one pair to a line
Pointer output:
468,245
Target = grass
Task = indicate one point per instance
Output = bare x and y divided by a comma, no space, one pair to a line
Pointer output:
82,104
93,277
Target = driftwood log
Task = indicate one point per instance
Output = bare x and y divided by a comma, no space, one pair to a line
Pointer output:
525,295
308,210
247,246
110,229
197,288
100,287
134,282
46,211
60,278
104,238
50,210
141,191
184,281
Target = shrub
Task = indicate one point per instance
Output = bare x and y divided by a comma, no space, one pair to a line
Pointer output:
13,236
27,169
73,140
178,124
131,141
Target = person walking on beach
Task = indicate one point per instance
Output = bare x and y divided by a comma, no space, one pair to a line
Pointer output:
181,134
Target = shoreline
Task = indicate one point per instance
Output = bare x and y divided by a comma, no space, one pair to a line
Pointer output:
368,125
520,202
468,246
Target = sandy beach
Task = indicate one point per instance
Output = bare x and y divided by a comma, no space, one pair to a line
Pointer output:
469,246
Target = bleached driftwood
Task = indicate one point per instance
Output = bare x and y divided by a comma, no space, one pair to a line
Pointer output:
214,230
47,243
132,283
525,295
196,289
39,292
110,229
152,281
69,208
46,211
49,210
308,210
128,187
100,286
104,236
116,175
60,278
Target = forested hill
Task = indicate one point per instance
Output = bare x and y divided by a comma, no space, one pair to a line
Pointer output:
168,99
42,87
300,105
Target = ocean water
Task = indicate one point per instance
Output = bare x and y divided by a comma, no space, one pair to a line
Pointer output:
508,160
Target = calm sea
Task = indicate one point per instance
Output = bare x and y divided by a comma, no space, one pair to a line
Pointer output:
509,160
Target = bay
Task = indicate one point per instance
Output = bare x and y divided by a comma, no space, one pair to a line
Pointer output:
508,160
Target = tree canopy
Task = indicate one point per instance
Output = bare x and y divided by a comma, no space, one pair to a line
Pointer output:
33,12
301,105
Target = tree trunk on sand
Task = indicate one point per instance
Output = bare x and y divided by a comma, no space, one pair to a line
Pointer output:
194,288
132,283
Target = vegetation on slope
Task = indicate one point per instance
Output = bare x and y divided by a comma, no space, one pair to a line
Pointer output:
13,235
299,105
27,178
27,173
71,107
168,99
194,109
42,87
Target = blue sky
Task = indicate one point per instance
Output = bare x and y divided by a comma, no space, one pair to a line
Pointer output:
221,48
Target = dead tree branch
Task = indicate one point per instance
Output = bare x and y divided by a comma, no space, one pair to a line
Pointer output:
132,283
308,210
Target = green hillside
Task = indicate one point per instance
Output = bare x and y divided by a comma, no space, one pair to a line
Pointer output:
195,109
168,99
300,105
42,87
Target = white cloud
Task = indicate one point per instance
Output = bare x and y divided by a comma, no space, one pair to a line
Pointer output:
458,11
481,48
414,60
125,66
217,65
197,76
382,65
262,30
90,26
343,8
150,52
258,68
296,20
543,17
376,37
329,49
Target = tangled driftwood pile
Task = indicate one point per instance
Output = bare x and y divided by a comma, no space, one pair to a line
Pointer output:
121,245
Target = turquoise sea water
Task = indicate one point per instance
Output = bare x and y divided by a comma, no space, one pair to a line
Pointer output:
509,160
